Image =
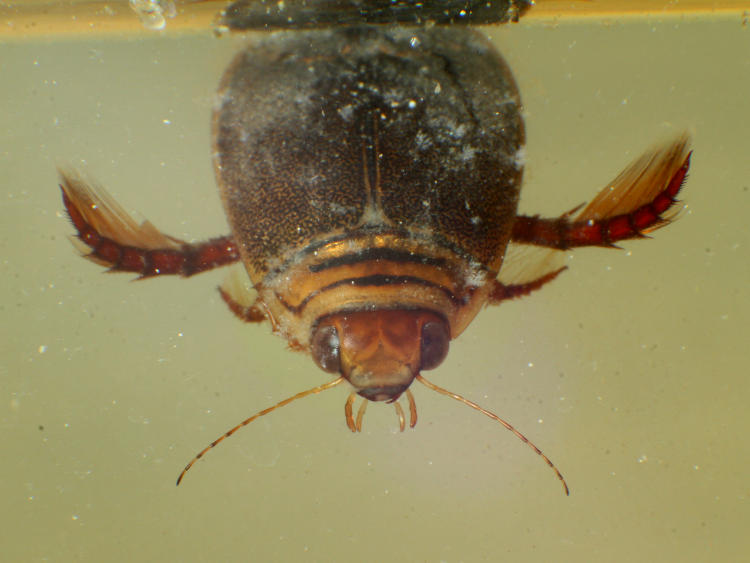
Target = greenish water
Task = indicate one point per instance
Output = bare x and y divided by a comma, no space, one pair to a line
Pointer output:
630,371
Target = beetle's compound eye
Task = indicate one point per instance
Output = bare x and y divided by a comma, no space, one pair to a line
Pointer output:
434,344
325,348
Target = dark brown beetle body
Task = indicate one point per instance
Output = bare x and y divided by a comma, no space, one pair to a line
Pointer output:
377,170
371,177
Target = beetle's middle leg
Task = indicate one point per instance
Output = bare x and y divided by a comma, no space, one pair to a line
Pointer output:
503,291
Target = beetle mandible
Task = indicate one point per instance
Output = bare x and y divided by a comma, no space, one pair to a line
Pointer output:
370,176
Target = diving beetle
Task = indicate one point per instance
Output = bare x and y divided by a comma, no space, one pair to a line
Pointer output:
370,176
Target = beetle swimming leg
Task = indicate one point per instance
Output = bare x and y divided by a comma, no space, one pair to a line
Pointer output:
637,202
109,236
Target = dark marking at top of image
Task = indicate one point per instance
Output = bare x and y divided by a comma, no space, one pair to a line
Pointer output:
247,15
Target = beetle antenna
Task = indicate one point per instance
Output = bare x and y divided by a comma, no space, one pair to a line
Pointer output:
227,434
520,436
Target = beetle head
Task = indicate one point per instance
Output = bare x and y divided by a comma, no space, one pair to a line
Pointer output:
380,352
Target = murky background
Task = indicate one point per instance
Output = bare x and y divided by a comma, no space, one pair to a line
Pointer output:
630,371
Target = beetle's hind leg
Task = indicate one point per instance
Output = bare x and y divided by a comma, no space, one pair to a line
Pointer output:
637,202
109,236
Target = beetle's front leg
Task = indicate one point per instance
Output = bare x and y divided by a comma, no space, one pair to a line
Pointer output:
112,238
638,201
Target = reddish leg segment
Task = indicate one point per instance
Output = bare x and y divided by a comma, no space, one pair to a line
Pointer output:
501,292
117,241
635,203
254,313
